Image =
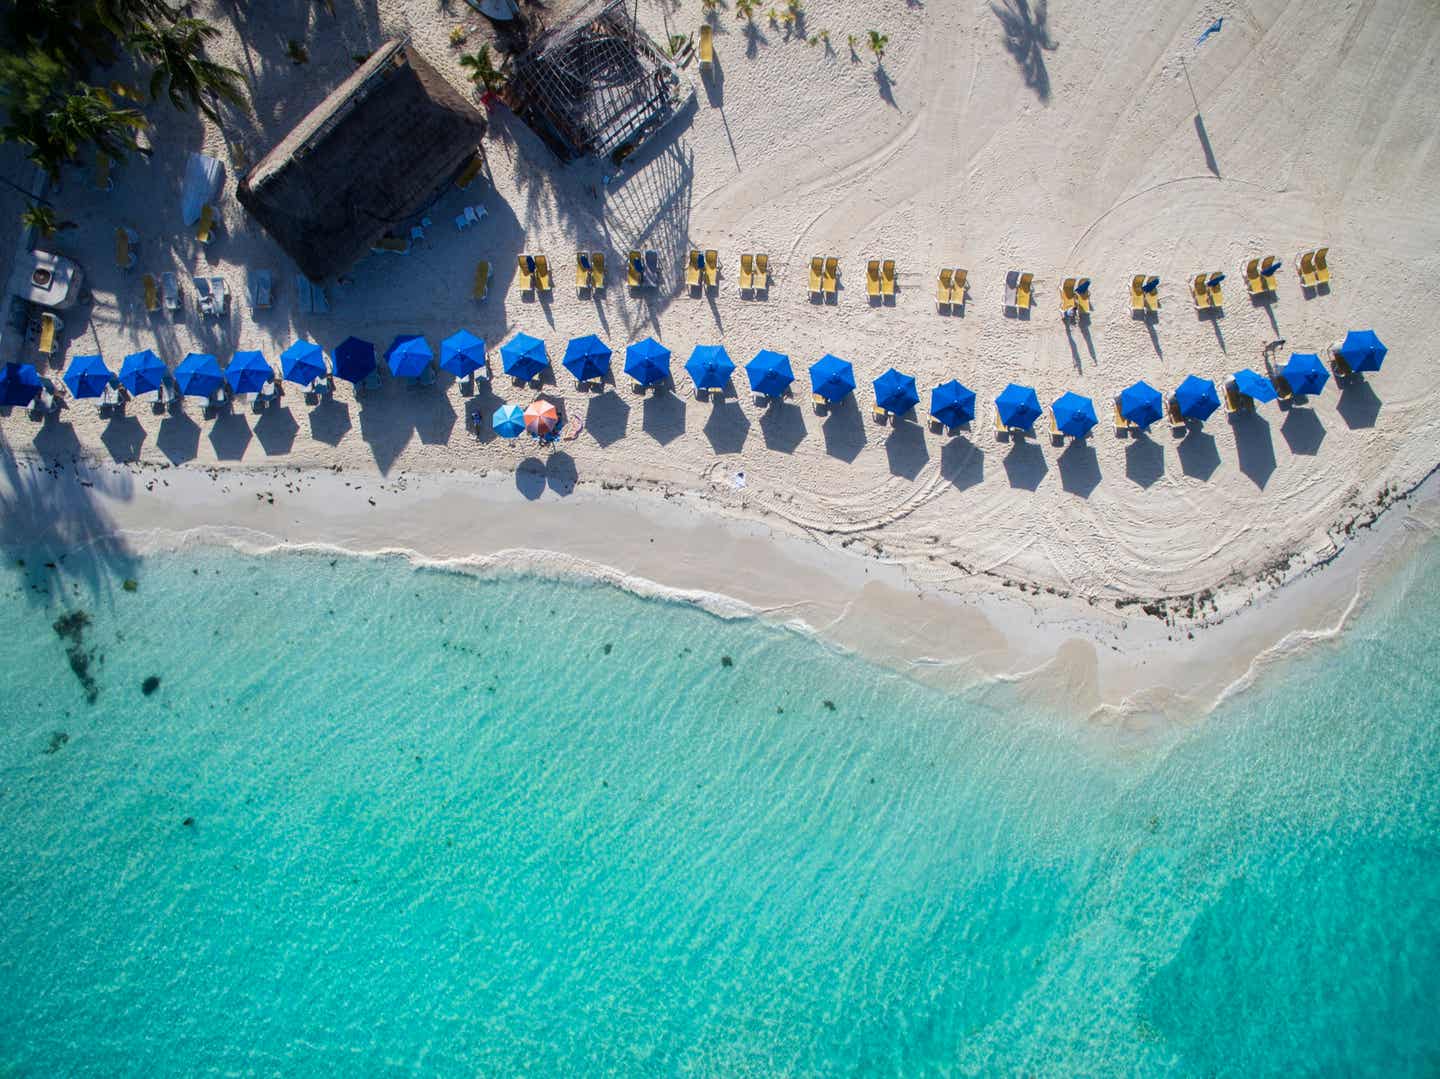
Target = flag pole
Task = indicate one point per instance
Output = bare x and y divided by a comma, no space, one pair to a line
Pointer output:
1185,68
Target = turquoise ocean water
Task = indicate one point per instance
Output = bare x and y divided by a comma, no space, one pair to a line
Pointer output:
452,826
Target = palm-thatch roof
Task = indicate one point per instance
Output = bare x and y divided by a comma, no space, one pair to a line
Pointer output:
374,153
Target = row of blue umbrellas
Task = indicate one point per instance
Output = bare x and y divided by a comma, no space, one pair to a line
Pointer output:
648,362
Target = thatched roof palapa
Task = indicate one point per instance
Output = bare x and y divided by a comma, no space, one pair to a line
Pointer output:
373,154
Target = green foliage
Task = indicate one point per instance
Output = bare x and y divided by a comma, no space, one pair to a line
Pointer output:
297,52
482,70
54,119
677,42
745,9
177,53
876,43
42,219
457,37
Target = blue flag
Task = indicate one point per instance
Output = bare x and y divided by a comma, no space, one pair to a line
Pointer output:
1214,29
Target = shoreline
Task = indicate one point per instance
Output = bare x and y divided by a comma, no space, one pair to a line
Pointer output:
1102,661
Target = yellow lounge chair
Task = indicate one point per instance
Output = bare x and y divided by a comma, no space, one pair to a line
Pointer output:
1269,267
818,402
471,170
942,289
634,270
482,280
1253,281
50,328
206,224
542,273
582,271
1201,291
1067,295
712,267
957,288
693,266
597,269
1234,400
707,45
761,280
101,179
1122,425
1137,294
1322,267
1173,413
815,279
124,257
152,293
832,274
872,277
1217,295
1022,291
880,414
524,275
1082,295
1283,390
1056,435
1152,294
747,272
887,277
1305,263
1339,365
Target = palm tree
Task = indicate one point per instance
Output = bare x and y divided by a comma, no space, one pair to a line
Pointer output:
125,17
55,120
177,53
482,71
877,44
43,220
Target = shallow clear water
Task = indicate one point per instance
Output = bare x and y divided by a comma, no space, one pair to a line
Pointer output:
464,826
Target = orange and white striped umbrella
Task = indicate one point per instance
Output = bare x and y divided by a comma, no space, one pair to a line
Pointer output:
541,417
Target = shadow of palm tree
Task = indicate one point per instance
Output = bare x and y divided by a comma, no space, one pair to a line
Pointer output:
1027,39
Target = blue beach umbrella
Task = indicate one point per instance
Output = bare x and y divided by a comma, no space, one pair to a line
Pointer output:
248,372
832,378
1305,373
508,421
647,362
587,358
354,359
19,384
895,392
769,373
1074,415
1257,386
1196,398
409,355
88,376
952,404
198,375
1362,350
524,356
462,353
1018,406
303,362
710,366
1141,404
142,372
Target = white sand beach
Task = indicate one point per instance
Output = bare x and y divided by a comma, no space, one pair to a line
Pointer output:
993,138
